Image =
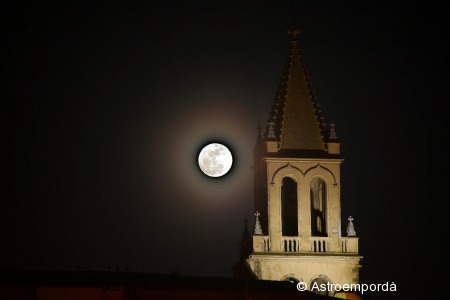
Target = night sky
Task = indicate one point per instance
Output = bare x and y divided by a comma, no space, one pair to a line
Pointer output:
106,107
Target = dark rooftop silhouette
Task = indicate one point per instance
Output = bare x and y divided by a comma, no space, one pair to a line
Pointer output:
34,284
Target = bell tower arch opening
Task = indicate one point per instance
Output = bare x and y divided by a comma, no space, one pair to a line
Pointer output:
289,207
318,196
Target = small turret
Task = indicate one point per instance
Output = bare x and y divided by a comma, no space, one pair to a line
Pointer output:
333,144
271,139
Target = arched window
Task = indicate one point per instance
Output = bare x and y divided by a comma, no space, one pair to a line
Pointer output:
319,286
289,214
318,195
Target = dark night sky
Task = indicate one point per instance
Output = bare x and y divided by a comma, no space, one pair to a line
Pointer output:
106,107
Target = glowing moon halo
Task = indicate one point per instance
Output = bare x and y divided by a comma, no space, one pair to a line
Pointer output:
215,160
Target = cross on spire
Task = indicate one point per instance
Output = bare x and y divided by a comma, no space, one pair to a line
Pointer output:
350,227
258,229
259,128
245,233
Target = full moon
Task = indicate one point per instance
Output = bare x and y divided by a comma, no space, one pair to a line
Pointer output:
215,160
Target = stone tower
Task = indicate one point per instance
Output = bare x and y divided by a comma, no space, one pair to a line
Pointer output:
297,191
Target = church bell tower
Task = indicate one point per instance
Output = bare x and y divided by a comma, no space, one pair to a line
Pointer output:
297,161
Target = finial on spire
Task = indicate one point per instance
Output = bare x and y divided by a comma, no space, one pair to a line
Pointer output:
245,234
333,135
350,227
258,229
271,131
294,32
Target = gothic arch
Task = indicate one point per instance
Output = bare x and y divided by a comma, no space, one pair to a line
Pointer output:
319,170
287,170
286,182
320,201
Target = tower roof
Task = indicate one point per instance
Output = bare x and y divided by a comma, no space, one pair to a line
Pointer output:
295,120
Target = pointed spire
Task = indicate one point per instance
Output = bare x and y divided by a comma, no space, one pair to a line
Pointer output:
258,229
295,120
246,233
